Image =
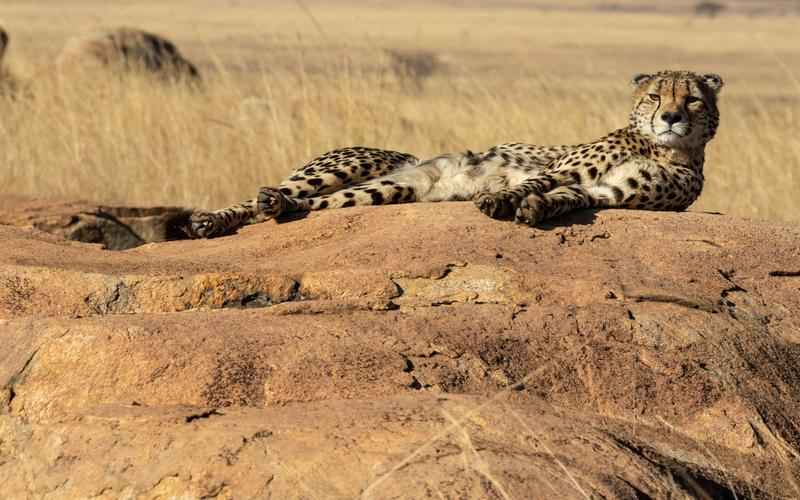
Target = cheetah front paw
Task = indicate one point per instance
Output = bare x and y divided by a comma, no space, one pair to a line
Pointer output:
203,225
530,211
497,205
271,202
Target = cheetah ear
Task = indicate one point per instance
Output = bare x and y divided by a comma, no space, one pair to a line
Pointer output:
713,81
640,78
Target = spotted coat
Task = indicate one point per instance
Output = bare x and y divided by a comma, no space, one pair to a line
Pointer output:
655,163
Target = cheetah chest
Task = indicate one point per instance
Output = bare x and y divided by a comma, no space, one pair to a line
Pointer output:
645,183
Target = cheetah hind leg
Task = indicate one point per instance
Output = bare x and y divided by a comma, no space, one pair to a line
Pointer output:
203,224
500,205
272,203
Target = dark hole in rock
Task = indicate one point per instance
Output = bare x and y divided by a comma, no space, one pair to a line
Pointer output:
704,487
121,228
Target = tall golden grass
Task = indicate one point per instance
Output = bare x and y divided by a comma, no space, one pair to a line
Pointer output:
287,81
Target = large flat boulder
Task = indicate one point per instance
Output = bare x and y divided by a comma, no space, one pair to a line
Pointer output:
418,351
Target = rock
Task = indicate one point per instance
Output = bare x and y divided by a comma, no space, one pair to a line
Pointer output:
115,228
9,85
125,49
417,351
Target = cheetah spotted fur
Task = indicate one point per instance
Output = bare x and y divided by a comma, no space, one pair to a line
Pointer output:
655,163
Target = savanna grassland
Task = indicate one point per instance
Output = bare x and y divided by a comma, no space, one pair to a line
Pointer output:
284,81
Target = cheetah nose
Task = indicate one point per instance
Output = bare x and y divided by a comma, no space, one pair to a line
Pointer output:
671,118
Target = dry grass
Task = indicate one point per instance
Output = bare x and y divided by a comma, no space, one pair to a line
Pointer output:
284,83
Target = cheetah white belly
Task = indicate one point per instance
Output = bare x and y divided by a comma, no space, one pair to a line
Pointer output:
452,178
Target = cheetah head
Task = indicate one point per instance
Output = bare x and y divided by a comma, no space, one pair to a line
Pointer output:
676,108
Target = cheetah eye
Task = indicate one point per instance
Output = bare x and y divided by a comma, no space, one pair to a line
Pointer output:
654,97
692,100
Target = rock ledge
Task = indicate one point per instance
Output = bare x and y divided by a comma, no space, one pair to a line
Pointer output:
419,351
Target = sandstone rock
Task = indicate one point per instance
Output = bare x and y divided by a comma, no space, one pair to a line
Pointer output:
419,351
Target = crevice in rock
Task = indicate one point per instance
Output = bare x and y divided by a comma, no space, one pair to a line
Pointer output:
263,434
103,491
261,299
11,395
161,480
415,384
760,441
676,300
216,492
784,274
399,290
231,456
17,378
518,309
707,242
724,301
702,487
601,236
203,415
728,276
294,293
251,301
640,495
697,483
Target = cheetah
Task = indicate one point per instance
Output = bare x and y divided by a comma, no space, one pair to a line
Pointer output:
655,163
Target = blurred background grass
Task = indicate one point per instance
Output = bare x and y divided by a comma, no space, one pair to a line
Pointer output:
287,80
